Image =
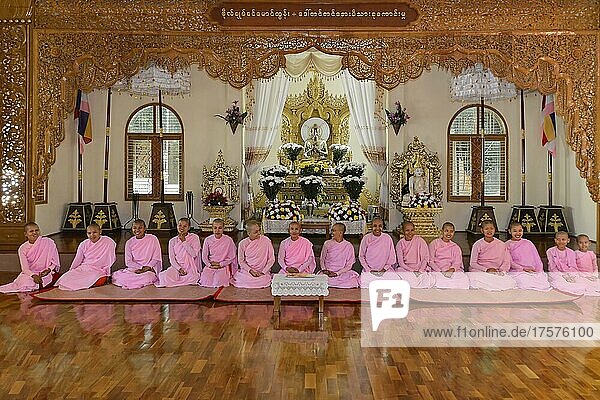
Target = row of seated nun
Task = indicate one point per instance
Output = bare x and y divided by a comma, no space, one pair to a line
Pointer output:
494,265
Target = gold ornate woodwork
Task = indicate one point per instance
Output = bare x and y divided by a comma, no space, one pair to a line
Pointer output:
15,205
424,221
415,154
223,178
315,101
556,51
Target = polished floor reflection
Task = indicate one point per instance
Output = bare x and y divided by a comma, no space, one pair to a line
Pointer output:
213,350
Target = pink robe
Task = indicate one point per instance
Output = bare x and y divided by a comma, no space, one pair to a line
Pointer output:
139,253
375,253
220,250
257,254
339,257
486,255
562,268
586,262
34,258
298,254
92,262
524,255
185,255
442,257
413,256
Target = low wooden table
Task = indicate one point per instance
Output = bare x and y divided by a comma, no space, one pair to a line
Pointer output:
313,285
317,223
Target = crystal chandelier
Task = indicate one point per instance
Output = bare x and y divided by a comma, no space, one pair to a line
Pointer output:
150,81
477,82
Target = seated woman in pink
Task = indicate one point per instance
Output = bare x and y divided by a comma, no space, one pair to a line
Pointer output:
337,259
445,261
143,259
91,265
255,258
562,268
587,263
296,252
526,265
39,261
218,256
413,255
490,262
184,256
376,254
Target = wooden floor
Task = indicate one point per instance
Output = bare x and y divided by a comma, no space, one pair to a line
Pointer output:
213,350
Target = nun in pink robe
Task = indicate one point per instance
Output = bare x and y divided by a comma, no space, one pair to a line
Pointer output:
221,252
494,255
92,262
412,256
35,258
526,266
564,274
296,254
254,254
376,254
139,253
183,256
338,258
444,256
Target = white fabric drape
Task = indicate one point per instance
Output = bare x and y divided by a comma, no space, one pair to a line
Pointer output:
270,96
371,132
296,65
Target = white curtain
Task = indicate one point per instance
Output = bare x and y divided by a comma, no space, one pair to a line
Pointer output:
269,99
371,131
296,65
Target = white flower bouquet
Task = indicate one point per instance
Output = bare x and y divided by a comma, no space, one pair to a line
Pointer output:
292,150
275,170
350,168
423,200
346,212
354,185
311,185
271,185
338,152
286,210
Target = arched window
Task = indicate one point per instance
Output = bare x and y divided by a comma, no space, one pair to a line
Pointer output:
464,155
143,154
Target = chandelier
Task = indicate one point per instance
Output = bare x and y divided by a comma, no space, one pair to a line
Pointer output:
477,82
150,81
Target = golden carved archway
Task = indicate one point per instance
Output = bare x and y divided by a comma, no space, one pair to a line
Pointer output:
56,47
561,64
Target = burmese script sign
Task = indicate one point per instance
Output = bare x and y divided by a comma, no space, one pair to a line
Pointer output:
281,15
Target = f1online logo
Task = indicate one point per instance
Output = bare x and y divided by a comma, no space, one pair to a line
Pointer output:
389,300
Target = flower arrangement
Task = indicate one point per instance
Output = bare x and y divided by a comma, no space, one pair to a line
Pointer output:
283,210
275,170
423,200
399,117
346,212
350,169
215,199
338,152
311,186
233,116
354,185
311,167
292,150
271,185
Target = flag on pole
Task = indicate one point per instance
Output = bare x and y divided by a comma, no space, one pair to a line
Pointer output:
83,119
548,128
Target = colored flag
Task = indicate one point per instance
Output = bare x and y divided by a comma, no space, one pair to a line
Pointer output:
83,119
548,128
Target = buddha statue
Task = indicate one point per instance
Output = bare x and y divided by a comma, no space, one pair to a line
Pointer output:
417,183
315,147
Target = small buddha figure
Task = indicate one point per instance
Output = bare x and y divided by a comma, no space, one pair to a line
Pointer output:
417,183
314,146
